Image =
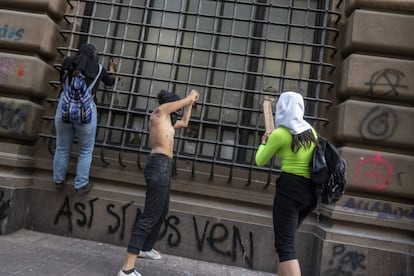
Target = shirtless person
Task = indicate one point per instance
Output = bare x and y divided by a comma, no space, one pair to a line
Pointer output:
157,172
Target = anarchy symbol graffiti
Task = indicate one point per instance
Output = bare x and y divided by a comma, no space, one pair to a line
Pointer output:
386,79
373,172
378,124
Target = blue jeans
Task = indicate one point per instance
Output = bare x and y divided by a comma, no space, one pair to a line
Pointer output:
65,134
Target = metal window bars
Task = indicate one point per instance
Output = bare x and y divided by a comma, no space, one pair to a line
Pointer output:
233,52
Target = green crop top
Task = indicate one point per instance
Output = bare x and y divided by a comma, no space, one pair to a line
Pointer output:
279,144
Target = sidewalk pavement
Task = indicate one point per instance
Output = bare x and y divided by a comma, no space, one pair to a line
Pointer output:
26,252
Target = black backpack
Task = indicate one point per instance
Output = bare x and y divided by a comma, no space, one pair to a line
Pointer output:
328,173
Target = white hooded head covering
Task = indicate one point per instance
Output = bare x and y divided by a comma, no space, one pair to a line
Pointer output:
290,110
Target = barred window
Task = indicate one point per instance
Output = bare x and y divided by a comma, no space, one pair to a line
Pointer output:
233,52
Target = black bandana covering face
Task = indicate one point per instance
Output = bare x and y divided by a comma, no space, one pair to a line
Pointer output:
86,61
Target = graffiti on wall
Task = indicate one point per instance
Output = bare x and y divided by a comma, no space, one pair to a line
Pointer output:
12,33
84,214
378,124
387,78
9,67
373,172
346,262
224,240
382,210
12,116
215,236
4,207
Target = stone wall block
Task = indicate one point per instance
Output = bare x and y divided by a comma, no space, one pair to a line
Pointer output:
55,8
360,259
378,32
394,215
17,156
379,172
183,234
404,6
376,77
373,124
28,76
28,32
13,209
20,119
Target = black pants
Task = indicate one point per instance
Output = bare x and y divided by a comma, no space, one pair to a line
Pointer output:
294,201
157,174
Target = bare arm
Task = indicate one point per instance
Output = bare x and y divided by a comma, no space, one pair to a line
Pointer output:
171,107
194,95
186,118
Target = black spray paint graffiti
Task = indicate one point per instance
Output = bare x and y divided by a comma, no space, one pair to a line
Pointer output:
378,124
87,215
120,221
80,207
4,206
345,263
12,117
174,238
219,234
388,78
217,237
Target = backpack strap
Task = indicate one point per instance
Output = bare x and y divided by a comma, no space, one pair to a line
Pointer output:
318,195
96,78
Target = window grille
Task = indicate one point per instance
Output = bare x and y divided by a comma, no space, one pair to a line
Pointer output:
233,52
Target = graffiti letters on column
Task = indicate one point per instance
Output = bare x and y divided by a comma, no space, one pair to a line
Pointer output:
222,239
12,116
387,78
10,32
346,262
4,206
378,124
382,210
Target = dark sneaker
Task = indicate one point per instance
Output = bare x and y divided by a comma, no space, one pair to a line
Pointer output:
85,189
59,185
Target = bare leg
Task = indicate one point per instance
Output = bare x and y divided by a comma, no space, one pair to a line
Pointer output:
129,262
289,268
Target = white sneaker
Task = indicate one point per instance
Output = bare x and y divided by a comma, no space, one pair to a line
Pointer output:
135,273
152,254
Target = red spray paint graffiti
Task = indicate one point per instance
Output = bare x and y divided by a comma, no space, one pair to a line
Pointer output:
20,70
373,172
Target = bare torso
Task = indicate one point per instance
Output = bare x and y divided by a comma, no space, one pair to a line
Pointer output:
161,133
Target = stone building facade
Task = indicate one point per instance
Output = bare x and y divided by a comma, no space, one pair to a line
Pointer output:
351,59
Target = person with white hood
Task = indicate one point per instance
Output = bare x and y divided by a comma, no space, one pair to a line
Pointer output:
292,141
